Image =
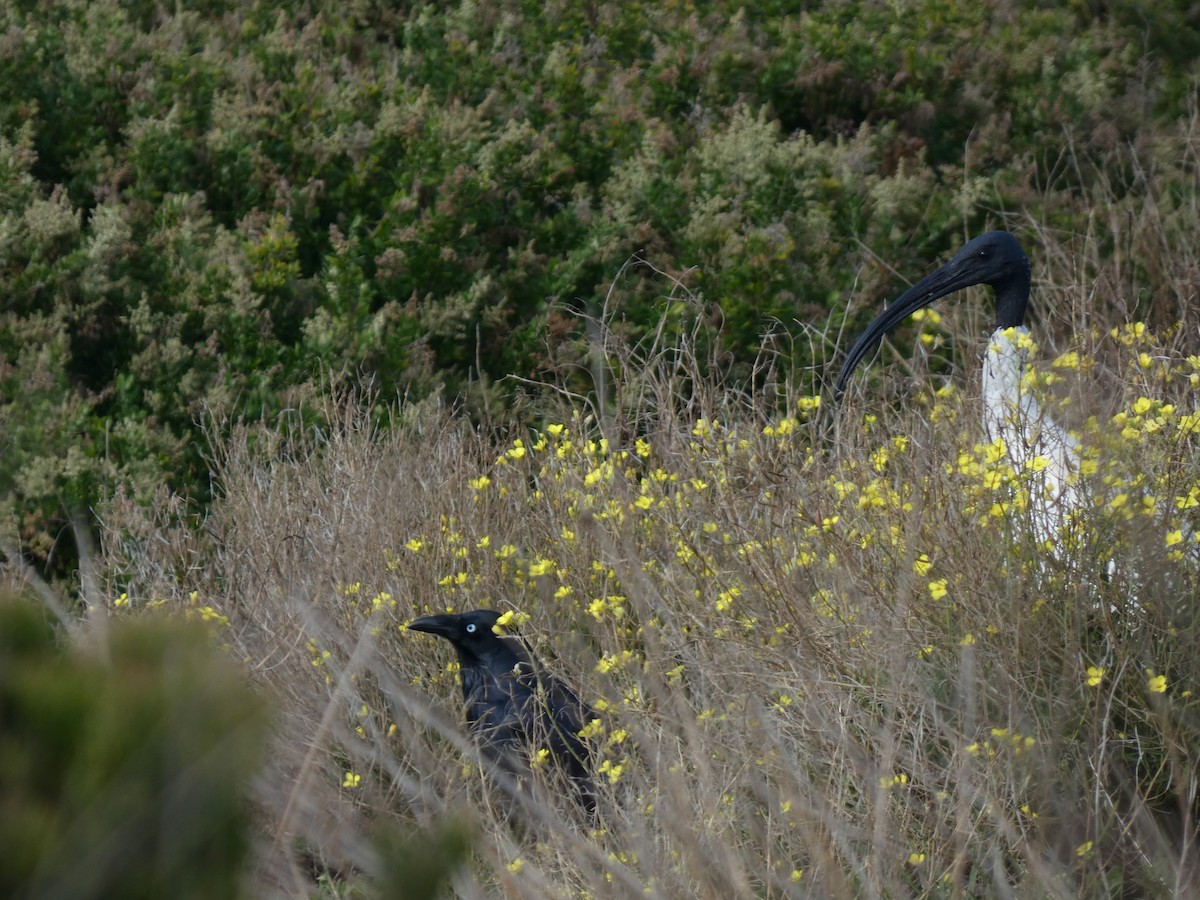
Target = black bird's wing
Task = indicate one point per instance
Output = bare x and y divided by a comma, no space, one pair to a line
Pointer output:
542,712
560,715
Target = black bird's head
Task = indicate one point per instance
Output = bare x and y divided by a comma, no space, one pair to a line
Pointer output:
995,259
475,635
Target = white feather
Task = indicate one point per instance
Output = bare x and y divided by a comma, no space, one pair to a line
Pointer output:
1034,442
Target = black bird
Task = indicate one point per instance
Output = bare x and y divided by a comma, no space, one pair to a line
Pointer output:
515,708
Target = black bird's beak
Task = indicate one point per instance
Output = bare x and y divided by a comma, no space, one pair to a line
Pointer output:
954,276
442,626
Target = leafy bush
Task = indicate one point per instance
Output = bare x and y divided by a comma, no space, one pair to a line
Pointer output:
216,209
123,777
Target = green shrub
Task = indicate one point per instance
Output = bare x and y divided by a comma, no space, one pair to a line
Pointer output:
206,212
122,774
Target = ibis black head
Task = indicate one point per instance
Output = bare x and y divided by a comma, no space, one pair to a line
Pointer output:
474,635
995,258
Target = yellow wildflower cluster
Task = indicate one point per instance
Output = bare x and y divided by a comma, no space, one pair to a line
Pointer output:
204,612
999,740
657,553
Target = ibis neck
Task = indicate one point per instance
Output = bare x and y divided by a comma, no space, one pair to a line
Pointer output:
1012,298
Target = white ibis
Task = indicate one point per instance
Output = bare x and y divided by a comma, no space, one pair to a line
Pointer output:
1034,442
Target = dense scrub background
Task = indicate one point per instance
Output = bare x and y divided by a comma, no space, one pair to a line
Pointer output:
206,212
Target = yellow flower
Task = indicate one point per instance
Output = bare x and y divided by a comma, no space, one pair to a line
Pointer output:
785,427
1037,463
510,618
937,589
613,772
725,598
541,567
995,451
922,565
1156,684
993,479
1095,675
809,403
915,859
208,614
1174,537
351,780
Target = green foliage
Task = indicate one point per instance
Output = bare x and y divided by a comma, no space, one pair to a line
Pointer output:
209,210
124,777
418,866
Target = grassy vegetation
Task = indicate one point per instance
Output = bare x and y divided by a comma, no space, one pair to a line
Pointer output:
329,317
829,658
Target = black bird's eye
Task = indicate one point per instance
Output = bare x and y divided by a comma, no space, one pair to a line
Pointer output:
983,253
470,628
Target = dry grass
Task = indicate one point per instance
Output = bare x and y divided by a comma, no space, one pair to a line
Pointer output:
826,668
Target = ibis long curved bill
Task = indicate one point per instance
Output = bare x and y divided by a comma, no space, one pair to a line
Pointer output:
995,258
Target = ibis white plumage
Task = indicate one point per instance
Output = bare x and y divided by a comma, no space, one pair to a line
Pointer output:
1034,442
